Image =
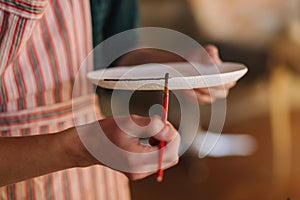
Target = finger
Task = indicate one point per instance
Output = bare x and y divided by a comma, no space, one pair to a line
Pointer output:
213,52
141,127
202,90
230,85
167,165
141,148
138,176
200,96
219,93
190,95
226,86
140,120
149,161
215,92
171,152
205,99
167,134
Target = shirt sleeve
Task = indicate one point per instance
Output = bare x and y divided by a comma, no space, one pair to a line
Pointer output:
17,21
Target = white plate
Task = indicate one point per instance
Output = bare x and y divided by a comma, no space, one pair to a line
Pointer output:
182,76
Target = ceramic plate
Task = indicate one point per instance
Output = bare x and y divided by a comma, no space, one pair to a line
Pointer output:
182,76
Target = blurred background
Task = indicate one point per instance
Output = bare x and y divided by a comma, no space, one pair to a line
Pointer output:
263,110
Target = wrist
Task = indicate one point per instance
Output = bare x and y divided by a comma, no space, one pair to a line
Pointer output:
76,153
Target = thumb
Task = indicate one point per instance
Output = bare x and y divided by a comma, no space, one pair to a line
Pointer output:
213,52
167,134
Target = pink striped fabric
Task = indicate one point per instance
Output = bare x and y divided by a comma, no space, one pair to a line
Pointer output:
42,45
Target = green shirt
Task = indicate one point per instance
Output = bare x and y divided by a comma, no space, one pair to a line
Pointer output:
110,17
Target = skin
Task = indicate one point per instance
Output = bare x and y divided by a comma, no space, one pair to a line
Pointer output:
18,162
204,95
23,158
209,95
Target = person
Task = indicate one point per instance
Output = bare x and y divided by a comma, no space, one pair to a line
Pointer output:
42,44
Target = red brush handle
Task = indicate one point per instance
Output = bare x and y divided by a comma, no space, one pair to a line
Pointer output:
160,171
165,106
164,119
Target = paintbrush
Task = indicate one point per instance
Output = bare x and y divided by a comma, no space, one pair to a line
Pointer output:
164,119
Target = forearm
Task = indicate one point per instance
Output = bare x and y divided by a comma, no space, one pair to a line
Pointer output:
23,158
